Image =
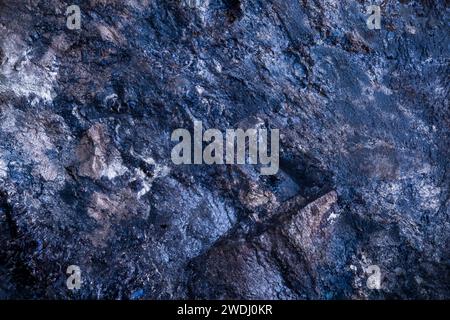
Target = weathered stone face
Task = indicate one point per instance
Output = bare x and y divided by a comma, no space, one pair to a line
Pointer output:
86,176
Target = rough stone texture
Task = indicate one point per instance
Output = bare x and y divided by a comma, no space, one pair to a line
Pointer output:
85,170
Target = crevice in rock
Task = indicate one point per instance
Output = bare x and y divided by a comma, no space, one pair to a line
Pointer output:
7,211
234,9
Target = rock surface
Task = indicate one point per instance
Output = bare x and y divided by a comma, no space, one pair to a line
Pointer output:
86,177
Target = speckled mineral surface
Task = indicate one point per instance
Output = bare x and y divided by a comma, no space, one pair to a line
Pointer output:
86,176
